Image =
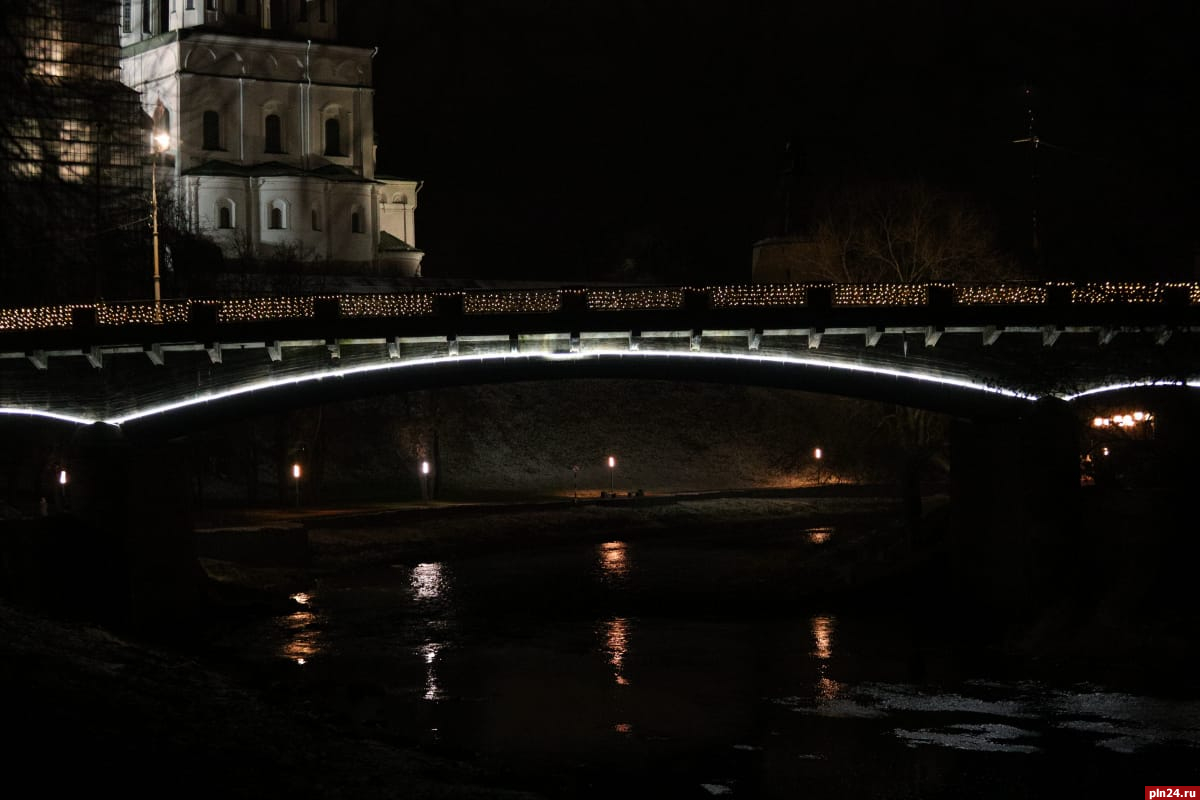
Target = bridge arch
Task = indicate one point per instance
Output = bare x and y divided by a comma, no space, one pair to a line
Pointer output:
166,416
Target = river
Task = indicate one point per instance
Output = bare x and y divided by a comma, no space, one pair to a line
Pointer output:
688,666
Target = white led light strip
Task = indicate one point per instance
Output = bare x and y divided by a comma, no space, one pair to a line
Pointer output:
783,361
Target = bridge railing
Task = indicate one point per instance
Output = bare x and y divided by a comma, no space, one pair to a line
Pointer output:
599,299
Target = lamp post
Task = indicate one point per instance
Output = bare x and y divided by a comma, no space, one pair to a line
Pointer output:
296,476
424,480
612,469
161,141
62,488
817,454
575,490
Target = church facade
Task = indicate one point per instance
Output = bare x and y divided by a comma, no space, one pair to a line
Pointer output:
270,135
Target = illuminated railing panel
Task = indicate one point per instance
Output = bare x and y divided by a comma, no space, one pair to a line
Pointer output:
139,313
634,299
42,317
1117,293
385,305
540,301
759,295
262,308
880,294
984,295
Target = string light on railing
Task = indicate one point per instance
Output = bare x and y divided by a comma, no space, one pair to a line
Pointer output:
517,302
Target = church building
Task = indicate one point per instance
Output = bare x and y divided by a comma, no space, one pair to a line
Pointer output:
269,142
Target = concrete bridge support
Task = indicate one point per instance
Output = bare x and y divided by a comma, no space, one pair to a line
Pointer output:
134,501
1015,518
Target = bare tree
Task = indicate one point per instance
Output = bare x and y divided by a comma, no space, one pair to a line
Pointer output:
906,233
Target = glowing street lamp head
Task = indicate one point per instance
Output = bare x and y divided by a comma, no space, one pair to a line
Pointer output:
612,462
817,454
162,140
296,471
424,467
62,477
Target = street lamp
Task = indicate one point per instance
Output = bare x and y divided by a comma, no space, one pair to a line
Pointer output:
612,468
62,487
296,476
424,480
817,454
159,144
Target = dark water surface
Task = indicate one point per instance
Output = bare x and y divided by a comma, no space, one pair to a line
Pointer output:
684,667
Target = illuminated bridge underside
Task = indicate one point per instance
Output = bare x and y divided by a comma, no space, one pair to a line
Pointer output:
931,349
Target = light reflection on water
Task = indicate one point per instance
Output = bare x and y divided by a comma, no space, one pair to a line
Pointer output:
819,535
616,644
428,581
429,651
822,632
614,561
303,635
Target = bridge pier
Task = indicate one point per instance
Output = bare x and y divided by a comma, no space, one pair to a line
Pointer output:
1015,513
133,499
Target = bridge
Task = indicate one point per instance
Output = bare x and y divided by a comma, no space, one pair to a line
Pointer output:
965,349
1007,360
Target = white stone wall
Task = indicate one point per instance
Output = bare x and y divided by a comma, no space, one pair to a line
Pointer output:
243,80
397,209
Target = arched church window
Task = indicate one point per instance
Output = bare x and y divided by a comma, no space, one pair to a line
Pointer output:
212,130
356,225
333,137
225,214
273,131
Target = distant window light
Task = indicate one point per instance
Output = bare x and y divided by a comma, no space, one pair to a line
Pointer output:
212,130
356,222
333,137
224,217
274,134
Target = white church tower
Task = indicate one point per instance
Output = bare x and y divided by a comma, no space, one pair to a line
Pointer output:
271,129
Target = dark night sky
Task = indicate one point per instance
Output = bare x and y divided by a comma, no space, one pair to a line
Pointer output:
558,140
